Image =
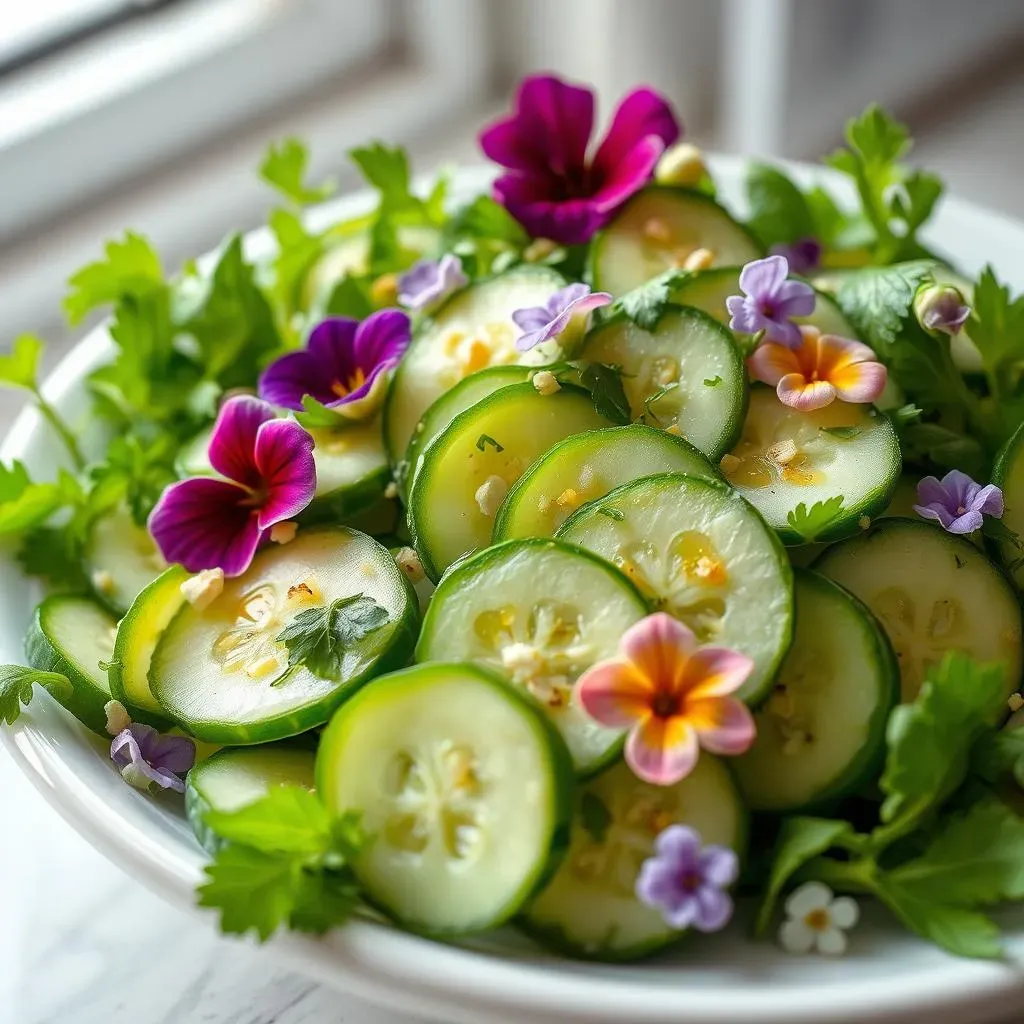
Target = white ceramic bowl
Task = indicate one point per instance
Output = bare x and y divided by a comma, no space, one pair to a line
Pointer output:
887,976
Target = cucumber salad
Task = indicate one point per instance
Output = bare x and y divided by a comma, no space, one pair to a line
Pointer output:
589,557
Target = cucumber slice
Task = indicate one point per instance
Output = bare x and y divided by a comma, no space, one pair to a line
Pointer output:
467,470
686,375
786,458
658,229
821,734
120,559
1008,473
540,613
701,553
222,675
933,592
444,409
464,784
590,908
137,636
72,636
233,779
586,467
473,330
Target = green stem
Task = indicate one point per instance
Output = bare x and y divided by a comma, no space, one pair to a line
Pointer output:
847,876
61,429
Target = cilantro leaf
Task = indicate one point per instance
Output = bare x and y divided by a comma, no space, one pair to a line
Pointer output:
297,252
130,267
485,236
20,368
1001,754
24,504
54,554
317,416
646,304
285,166
810,524
778,210
320,637
595,816
605,386
288,819
996,324
322,900
879,300
16,684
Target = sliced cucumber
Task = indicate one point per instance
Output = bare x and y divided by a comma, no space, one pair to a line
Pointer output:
658,229
472,331
701,553
933,592
233,779
821,734
120,559
590,908
586,467
786,458
465,786
468,468
73,636
1008,473
223,676
540,613
686,375
444,409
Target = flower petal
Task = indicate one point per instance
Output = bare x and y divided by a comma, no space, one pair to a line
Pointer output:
859,382
760,277
770,362
936,512
531,201
679,844
795,391
233,441
658,883
683,914
382,337
174,753
807,897
286,381
931,491
369,396
284,455
626,177
126,753
716,672
659,647
714,909
719,866
614,694
796,937
662,751
723,725
641,116
990,501
794,298
966,523
845,912
831,942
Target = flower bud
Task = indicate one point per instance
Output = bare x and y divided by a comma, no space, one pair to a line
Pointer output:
941,308
539,249
682,164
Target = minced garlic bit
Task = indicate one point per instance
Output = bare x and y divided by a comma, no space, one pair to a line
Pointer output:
864,522
673,429
103,581
568,497
368,569
284,533
782,452
729,464
204,588
657,230
260,667
391,491
1015,702
546,382
699,259
409,562
384,291
118,718
490,494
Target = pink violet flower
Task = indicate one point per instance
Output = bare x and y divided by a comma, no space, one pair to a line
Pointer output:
818,370
550,186
673,696
542,323
267,477
958,503
345,365
147,758
428,283
769,301
941,308
687,881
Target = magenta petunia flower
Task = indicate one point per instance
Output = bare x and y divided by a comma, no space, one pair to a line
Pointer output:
542,323
957,503
803,255
687,881
345,364
147,758
769,301
551,187
267,477
428,283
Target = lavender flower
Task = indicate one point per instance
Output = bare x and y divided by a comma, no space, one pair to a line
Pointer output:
147,758
957,503
542,323
686,881
427,283
941,308
803,255
769,301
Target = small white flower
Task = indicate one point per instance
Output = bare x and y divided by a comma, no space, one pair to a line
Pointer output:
817,920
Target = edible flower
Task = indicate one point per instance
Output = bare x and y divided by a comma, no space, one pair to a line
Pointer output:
344,366
673,697
551,187
267,477
803,255
568,306
428,283
145,757
818,370
958,503
687,881
817,920
769,301
941,308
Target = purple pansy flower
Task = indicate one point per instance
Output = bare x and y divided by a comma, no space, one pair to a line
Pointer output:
769,301
941,308
686,881
428,282
957,503
542,323
267,476
803,255
147,758
345,364
551,187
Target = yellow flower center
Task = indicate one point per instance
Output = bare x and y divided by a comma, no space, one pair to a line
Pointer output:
354,383
818,920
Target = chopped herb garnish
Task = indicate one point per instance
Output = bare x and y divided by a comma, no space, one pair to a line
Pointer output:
810,524
605,386
484,440
16,684
712,382
842,433
612,513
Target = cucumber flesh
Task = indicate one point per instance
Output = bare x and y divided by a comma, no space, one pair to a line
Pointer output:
590,908
786,458
465,786
701,553
585,467
933,592
467,470
657,230
821,734
1009,475
686,375
121,559
540,613
221,673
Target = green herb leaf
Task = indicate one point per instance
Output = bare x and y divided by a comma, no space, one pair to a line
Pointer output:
349,297
288,819
284,168
611,512
810,524
999,754
778,210
23,504
947,448
320,637
646,304
996,324
21,367
16,684
842,433
484,440
322,900
595,816
712,382
130,268
317,416
605,386
879,301
54,554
